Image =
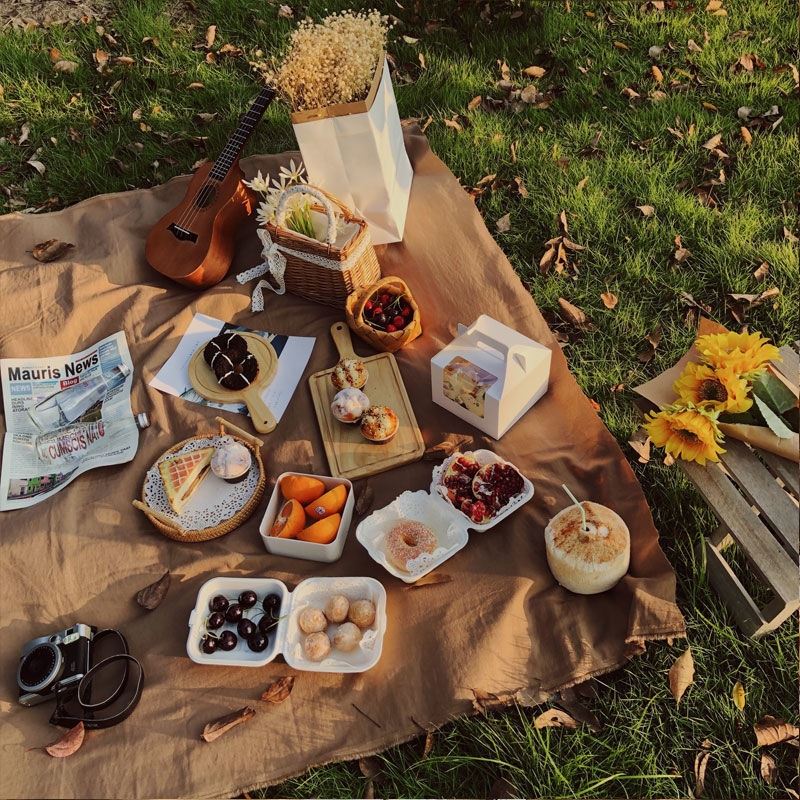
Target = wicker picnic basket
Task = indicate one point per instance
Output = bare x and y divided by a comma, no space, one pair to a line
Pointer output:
173,529
319,271
386,341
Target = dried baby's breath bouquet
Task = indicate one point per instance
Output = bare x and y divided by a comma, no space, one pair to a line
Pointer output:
332,61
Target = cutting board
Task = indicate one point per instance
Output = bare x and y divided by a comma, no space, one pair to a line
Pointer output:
206,385
350,455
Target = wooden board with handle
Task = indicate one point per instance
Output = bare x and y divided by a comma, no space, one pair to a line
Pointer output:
349,454
206,384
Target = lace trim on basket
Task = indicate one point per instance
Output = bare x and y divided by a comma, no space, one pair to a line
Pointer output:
274,265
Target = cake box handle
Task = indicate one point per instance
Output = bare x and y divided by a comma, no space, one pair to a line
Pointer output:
514,354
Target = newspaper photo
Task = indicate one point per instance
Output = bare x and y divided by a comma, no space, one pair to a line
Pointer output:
65,415
293,353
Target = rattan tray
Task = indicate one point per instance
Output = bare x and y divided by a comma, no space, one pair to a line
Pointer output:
171,526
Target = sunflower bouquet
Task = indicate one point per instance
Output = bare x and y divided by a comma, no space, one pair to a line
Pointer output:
724,386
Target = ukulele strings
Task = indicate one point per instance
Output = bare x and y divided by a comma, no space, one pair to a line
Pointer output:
191,213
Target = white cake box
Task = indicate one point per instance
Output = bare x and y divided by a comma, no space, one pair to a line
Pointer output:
490,375
287,638
448,523
295,548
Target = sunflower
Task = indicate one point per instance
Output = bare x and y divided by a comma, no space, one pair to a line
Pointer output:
688,433
744,353
714,389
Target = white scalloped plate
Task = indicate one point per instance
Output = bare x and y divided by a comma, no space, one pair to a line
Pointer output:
483,457
419,506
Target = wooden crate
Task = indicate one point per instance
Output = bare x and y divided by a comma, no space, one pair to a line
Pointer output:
755,497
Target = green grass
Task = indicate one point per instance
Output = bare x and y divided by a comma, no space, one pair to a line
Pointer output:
647,746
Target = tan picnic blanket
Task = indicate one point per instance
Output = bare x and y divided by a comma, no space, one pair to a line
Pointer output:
501,624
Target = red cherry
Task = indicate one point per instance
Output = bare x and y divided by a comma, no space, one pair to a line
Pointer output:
385,298
390,328
368,305
407,311
377,311
398,321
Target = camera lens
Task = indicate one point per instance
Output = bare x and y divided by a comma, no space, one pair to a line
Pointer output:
39,667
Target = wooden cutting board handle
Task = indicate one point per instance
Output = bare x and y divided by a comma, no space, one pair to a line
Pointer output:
260,415
341,338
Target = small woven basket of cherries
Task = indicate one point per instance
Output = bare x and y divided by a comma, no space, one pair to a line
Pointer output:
384,314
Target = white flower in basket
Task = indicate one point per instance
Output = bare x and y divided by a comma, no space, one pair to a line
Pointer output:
312,244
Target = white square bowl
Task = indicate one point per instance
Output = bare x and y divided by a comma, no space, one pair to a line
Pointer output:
315,592
483,457
295,548
451,531
241,655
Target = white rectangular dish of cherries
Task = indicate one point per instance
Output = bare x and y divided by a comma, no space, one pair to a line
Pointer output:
324,625
419,531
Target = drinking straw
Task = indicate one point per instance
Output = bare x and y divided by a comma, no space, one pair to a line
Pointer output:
575,500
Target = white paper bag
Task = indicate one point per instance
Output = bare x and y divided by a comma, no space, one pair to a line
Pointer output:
355,151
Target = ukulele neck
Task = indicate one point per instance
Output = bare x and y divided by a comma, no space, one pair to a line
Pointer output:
233,147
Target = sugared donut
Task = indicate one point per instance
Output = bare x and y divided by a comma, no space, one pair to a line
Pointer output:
347,637
316,646
312,620
337,607
362,613
408,540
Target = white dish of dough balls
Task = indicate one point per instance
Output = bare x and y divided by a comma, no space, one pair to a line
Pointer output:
350,647
587,560
384,534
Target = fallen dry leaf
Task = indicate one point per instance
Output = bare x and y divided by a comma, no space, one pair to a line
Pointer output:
640,444
278,690
211,34
68,744
364,500
572,313
647,352
50,250
151,596
681,674
768,769
700,765
581,183
37,165
410,40
693,47
453,442
747,137
557,249
430,741
554,718
431,579
219,727
647,211
714,142
65,66
681,253
124,61
789,236
285,12
503,224
609,299
762,270
454,124
771,730
196,85
657,74
422,62
534,72
655,51
709,106
474,103
738,695
621,46
521,188
55,55
747,63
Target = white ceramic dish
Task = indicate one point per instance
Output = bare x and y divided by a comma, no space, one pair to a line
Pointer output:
294,548
213,502
287,637
419,506
483,457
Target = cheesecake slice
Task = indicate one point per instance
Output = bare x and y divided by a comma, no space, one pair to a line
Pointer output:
183,473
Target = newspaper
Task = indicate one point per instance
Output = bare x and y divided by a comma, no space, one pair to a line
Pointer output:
65,415
293,353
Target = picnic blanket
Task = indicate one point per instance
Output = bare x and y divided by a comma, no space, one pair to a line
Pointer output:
499,625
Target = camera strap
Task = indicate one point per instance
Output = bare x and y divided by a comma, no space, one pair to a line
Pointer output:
90,713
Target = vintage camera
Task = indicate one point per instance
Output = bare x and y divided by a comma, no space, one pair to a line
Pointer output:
51,664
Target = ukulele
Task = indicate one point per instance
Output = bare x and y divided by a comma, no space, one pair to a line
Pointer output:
194,243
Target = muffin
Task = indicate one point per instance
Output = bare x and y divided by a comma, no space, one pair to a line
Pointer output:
231,461
349,372
587,560
379,424
349,404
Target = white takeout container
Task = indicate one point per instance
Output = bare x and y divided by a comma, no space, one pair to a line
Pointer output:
287,638
295,548
512,370
433,509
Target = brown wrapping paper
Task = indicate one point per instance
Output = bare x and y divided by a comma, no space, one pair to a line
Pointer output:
500,624
659,391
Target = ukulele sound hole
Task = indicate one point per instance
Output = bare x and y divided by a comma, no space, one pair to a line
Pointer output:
181,233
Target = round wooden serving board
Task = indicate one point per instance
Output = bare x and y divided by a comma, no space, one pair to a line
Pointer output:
206,385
